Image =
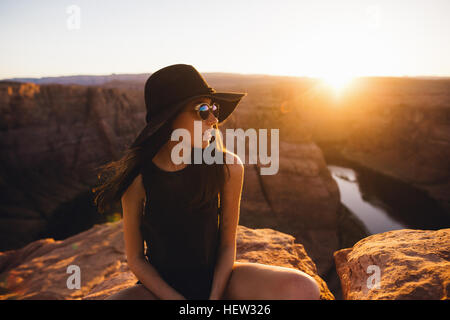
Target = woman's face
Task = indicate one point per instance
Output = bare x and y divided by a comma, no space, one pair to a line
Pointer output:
188,115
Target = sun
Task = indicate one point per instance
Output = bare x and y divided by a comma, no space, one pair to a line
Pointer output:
338,82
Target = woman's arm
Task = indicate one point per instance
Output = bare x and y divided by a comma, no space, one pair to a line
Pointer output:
230,199
133,204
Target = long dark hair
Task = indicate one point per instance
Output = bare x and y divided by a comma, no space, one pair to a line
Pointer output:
116,176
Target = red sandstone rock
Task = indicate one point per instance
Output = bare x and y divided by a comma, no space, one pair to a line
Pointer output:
39,270
413,264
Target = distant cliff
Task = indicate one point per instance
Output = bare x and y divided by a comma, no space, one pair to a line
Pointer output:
51,139
397,127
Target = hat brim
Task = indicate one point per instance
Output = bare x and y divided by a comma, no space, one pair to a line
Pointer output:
227,101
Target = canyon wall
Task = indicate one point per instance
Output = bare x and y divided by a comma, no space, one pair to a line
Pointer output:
52,138
397,127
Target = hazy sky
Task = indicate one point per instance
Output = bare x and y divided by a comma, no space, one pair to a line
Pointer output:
304,38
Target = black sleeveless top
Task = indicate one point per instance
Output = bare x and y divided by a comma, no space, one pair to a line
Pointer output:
182,241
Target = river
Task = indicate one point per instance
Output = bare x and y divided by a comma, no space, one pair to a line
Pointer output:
383,204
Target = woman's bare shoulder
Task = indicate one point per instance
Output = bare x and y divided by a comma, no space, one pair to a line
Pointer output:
232,158
136,189
234,163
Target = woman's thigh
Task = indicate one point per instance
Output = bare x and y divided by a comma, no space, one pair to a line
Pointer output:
260,282
136,292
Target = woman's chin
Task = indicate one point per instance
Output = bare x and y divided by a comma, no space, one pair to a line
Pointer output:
205,144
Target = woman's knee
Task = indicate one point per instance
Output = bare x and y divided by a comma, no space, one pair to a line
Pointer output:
300,286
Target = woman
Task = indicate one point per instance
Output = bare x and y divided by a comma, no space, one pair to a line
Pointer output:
187,214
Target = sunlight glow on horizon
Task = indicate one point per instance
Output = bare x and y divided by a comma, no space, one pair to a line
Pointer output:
338,82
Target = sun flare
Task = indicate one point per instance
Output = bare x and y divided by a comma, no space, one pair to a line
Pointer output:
338,82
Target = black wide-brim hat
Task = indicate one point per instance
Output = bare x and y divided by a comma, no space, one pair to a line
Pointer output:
169,89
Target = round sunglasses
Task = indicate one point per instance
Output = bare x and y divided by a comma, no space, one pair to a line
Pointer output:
204,109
